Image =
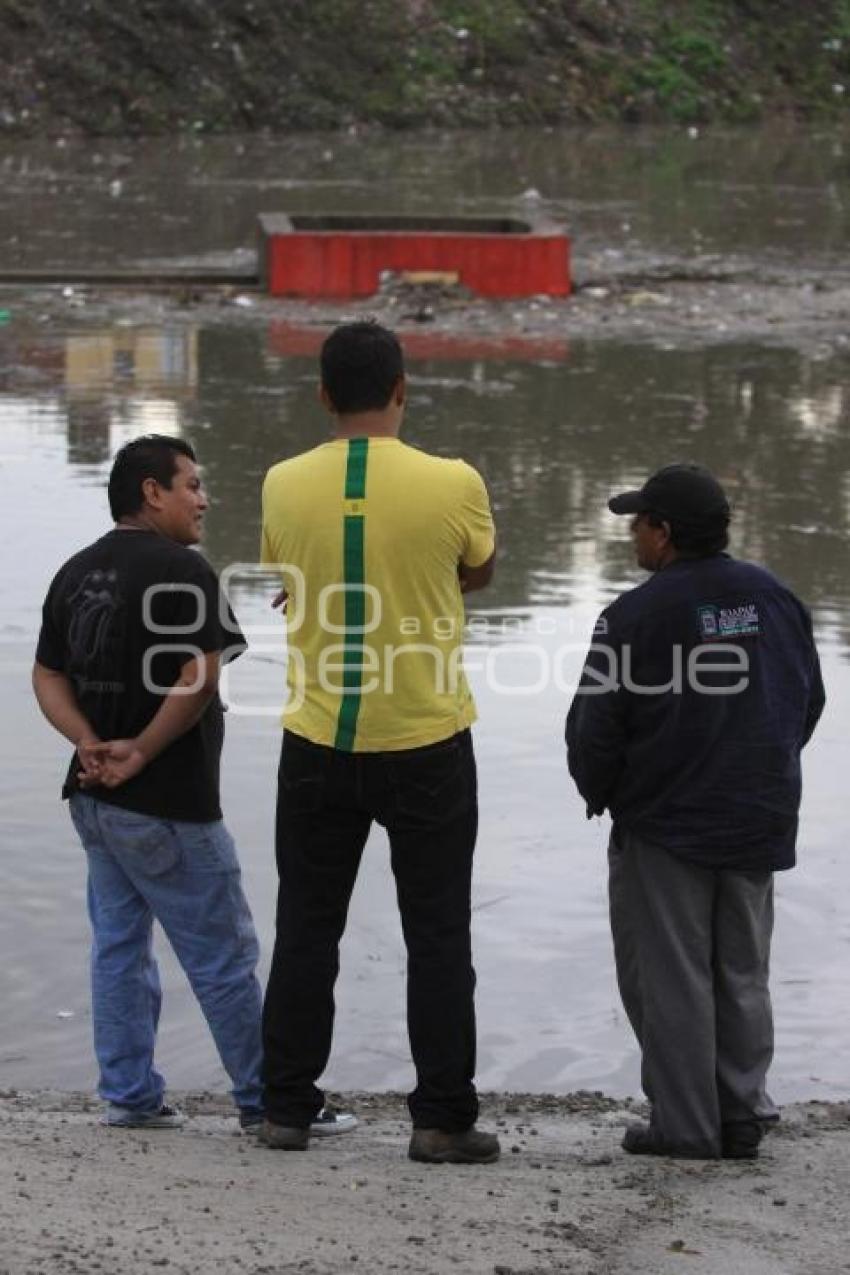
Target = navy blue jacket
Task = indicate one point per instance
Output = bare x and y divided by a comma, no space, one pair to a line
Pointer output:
703,761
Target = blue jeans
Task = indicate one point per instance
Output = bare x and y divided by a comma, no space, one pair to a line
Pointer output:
186,876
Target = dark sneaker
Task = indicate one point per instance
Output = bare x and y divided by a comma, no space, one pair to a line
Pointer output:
330,1121
283,1137
164,1117
740,1139
434,1146
642,1139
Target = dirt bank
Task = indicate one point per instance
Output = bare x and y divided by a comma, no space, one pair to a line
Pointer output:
236,65
79,1198
636,299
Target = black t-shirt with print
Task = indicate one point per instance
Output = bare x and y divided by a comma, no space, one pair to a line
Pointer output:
120,619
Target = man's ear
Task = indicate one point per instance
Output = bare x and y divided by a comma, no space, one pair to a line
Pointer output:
151,493
325,400
400,391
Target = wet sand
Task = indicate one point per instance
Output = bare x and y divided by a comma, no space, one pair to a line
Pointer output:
79,1198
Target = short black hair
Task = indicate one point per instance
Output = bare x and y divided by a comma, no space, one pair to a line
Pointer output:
692,540
361,364
151,456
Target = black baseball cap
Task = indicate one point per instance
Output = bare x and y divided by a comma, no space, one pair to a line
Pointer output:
678,493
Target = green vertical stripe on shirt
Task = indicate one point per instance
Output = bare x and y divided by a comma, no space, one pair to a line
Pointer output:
354,575
355,471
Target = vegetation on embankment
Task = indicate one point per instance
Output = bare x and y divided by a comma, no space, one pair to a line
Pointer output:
153,66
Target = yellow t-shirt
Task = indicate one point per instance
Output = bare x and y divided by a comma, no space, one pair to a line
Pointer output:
367,534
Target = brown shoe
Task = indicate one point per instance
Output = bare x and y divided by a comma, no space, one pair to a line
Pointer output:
433,1146
282,1137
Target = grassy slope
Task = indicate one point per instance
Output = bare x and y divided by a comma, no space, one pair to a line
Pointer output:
148,66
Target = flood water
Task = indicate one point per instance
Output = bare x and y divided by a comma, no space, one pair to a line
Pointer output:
555,430
778,195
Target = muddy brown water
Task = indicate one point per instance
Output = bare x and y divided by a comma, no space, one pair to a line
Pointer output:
780,194
555,429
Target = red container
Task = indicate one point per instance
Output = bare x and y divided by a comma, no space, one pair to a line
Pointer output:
345,256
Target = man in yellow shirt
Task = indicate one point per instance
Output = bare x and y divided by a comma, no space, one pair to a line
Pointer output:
375,542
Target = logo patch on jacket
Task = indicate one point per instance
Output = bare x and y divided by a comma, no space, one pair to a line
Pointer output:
717,624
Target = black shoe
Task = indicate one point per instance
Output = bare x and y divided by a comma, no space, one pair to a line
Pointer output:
434,1146
251,1119
164,1117
642,1139
740,1139
328,1122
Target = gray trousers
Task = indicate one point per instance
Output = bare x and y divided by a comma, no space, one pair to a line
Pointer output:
692,950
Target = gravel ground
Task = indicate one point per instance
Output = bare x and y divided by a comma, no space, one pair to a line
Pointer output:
77,1197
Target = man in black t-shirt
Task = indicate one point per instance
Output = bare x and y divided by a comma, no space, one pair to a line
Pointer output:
134,631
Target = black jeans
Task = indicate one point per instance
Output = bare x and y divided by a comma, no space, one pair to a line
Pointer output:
426,799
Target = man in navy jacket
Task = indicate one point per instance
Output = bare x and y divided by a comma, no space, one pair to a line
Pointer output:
700,688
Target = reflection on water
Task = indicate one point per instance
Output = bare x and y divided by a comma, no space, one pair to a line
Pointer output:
112,384
553,436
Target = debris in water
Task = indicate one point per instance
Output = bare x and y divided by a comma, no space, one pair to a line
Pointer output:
648,298
419,278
